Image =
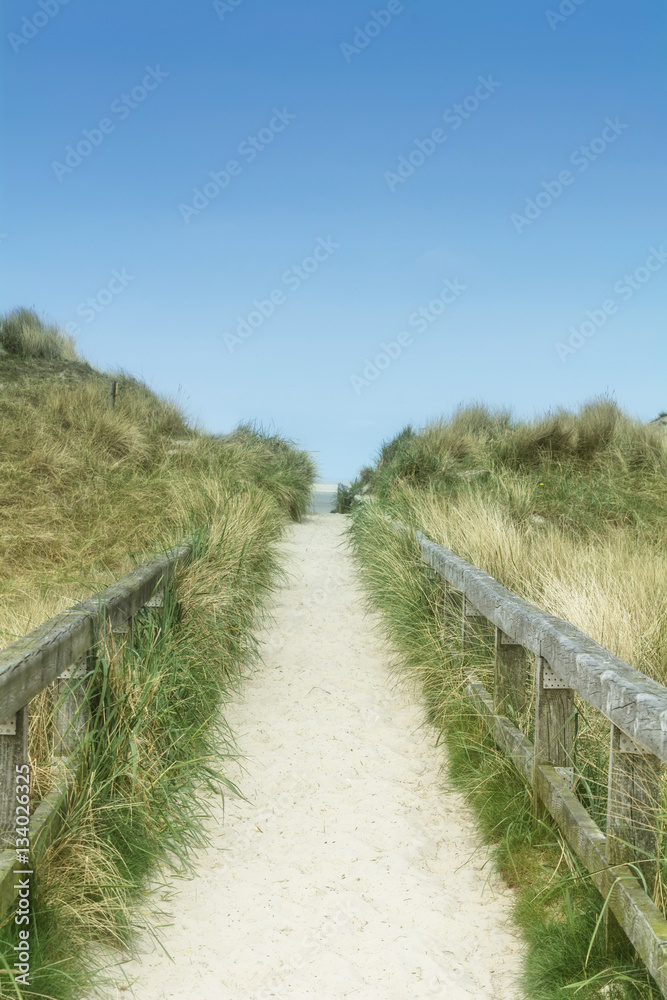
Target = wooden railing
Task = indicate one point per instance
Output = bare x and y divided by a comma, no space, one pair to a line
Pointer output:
569,663
57,653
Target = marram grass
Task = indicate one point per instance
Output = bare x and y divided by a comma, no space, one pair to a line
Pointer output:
99,492
591,550
156,738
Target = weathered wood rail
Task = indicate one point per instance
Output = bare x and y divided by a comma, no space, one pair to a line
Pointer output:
57,653
568,663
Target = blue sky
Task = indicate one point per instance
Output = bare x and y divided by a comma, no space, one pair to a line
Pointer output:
289,290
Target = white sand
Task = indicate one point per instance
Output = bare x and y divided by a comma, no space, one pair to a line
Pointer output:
350,873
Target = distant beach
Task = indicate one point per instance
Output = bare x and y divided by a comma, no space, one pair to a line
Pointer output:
323,498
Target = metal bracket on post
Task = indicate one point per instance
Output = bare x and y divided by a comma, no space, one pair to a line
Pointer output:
8,727
76,670
567,774
470,611
628,745
551,680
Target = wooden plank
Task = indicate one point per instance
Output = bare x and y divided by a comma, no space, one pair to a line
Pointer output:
637,914
629,699
28,665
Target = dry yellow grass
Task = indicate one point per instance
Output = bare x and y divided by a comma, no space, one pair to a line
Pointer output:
86,492
611,586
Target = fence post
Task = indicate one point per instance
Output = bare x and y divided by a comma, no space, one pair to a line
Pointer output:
448,606
632,806
13,754
473,623
71,711
554,717
113,392
510,675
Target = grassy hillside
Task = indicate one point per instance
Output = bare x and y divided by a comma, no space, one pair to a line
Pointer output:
86,491
569,512
85,494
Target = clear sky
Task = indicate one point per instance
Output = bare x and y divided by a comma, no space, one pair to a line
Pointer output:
413,204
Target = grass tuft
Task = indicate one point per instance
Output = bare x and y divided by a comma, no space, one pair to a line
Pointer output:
24,335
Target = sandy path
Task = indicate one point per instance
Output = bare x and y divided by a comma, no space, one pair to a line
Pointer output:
349,873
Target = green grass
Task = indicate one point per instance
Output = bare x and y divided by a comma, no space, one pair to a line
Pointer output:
156,740
154,737
86,493
589,470
557,907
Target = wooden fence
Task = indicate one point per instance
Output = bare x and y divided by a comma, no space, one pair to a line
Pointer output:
57,653
568,662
